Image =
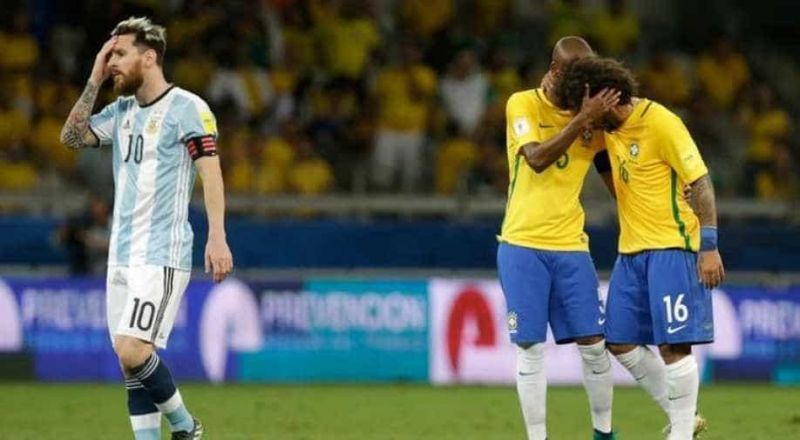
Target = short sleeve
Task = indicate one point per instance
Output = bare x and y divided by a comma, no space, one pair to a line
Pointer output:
102,123
196,120
678,148
425,80
521,125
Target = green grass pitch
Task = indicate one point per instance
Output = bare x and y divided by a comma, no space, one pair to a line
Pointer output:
89,411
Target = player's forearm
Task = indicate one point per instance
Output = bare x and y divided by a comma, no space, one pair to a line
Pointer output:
75,133
213,196
703,201
541,156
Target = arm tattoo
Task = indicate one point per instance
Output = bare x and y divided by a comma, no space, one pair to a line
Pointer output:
703,202
76,129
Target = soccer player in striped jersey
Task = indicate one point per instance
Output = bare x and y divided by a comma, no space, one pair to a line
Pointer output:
161,136
543,260
668,260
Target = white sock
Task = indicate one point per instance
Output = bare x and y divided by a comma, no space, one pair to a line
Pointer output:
532,390
649,372
598,383
683,382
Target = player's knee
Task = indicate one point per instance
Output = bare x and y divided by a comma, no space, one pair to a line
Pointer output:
131,352
618,349
672,353
592,350
530,358
589,340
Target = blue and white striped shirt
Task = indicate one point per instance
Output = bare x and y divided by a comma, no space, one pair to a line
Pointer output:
153,175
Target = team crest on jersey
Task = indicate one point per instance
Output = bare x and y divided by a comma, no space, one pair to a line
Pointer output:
119,279
521,126
209,123
587,136
512,322
152,124
634,150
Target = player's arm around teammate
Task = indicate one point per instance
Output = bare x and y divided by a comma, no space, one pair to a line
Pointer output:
658,293
702,200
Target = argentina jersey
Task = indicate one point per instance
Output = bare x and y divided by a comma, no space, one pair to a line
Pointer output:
153,175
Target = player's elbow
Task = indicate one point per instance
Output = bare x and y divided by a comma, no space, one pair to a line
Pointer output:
537,164
68,142
535,158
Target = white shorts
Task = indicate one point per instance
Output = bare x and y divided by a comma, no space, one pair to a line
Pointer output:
142,301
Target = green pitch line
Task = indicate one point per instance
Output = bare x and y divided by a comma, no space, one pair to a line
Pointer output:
89,411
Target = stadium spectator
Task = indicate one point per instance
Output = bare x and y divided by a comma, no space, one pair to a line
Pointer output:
274,161
18,45
14,123
722,73
16,170
767,155
465,91
310,174
616,28
455,158
567,17
244,83
346,37
424,18
85,238
402,98
195,70
665,79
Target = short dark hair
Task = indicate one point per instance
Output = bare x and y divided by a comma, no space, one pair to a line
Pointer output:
599,73
146,33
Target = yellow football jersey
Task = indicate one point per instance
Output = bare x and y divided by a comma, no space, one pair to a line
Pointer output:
543,210
652,157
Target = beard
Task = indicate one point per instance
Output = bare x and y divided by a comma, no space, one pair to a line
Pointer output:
609,122
128,84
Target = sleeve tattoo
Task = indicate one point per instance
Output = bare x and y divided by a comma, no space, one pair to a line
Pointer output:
703,202
75,133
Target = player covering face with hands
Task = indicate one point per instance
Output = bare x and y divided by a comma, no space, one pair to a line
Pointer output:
161,136
659,293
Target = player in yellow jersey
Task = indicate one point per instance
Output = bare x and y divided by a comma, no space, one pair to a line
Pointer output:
660,286
543,259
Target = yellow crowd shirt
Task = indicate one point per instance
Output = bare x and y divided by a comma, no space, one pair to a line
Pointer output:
543,210
652,157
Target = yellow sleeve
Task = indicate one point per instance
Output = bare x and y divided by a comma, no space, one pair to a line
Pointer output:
521,125
380,86
678,148
426,80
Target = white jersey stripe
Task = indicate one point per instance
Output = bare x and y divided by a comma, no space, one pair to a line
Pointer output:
146,185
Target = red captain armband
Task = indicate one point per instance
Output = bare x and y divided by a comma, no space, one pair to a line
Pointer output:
201,146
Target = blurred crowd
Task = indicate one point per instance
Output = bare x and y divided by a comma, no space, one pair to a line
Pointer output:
318,96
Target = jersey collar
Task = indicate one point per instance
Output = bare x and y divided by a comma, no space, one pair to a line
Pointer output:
639,110
159,98
543,97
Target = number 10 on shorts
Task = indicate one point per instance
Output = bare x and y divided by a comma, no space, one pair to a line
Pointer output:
143,315
676,311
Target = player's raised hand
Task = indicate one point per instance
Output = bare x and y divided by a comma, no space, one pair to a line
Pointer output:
710,269
594,107
547,81
218,259
100,70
